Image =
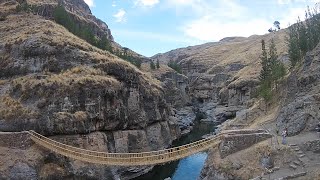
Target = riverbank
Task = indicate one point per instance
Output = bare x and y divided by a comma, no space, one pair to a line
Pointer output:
189,167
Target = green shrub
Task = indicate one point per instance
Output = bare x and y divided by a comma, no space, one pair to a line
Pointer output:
125,56
62,17
303,36
272,71
265,91
3,18
23,7
175,66
152,65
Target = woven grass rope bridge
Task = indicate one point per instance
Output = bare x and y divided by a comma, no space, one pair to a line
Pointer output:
126,159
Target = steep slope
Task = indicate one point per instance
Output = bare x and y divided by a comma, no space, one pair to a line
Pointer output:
63,87
224,71
296,110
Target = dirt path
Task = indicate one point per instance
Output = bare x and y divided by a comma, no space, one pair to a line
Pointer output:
305,164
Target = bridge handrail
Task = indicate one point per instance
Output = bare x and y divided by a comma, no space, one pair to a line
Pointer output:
190,145
123,155
204,146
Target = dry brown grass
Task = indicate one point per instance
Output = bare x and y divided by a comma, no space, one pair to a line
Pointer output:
40,2
66,116
7,7
3,82
156,74
126,71
145,67
250,160
64,82
22,27
13,109
81,115
246,51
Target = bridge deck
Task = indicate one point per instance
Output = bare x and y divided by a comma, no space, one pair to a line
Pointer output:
126,159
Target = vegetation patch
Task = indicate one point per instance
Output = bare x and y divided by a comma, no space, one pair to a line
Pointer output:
303,36
272,71
62,17
3,18
11,109
63,83
125,55
175,66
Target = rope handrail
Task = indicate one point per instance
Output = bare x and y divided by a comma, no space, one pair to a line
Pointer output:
125,159
40,137
33,133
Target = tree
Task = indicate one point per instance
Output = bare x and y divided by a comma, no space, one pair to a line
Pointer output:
272,70
152,65
265,71
278,69
293,45
276,24
174,65
158,64
303,36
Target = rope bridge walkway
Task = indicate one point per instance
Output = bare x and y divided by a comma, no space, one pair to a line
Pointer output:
126,159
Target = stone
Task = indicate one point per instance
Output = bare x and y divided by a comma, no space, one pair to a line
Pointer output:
236,142
267,162
297,163
296,149
77,94
22,171
313,146
302,155
293,166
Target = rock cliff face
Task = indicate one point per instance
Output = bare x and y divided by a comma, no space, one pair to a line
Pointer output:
176,93
78,9
223,76
299,111
296,109
224,72
62,87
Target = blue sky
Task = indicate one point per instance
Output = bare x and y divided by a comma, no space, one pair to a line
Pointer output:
154,26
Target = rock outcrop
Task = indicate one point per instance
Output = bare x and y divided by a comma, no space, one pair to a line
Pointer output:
296,111
299,112
57,84
224,73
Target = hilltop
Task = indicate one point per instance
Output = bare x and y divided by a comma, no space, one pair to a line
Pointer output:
223,83
57,82
63,75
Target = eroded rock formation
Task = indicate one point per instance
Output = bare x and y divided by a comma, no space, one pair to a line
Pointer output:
62,87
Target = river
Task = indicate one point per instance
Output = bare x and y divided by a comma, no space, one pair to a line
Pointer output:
188,168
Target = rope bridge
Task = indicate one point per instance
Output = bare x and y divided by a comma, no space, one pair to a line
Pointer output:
126,159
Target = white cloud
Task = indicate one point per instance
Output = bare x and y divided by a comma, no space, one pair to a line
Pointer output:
194,7
153,36
231,19
222,8
221,19
292,15
89,2
293,1
146,3
208,28
114,4
120,16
